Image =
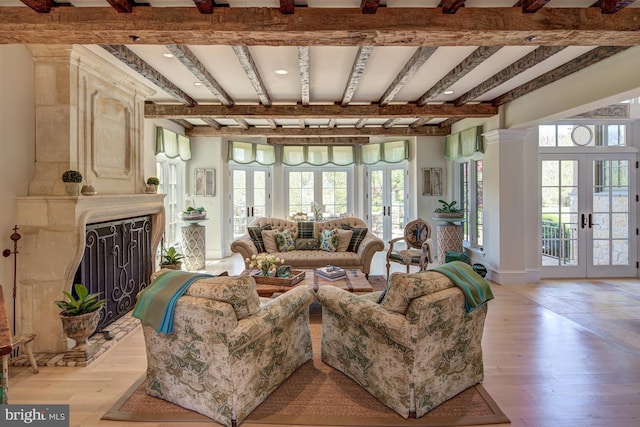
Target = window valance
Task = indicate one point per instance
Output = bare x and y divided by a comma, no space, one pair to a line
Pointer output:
247,152
464,145
388,152
172,144
294,155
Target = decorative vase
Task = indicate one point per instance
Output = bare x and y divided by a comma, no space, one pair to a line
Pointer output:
72,188
79,328
88,190
151,189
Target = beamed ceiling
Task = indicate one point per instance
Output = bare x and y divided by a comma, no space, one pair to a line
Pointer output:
332,71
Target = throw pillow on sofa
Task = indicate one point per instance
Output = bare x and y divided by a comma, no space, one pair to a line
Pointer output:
284,240
356,238
344,238
329,240
307,230
255,233
269,238
307,244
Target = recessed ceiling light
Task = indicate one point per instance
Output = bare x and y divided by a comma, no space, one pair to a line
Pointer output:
197,83
168,55
282,72
448,92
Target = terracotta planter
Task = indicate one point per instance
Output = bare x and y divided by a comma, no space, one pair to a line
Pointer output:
80,327
177,266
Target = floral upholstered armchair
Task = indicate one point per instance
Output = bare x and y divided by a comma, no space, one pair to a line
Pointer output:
414,350
229,349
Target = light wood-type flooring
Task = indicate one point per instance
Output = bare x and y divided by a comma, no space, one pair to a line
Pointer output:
557,353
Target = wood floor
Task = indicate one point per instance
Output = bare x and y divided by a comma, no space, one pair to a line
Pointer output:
557,353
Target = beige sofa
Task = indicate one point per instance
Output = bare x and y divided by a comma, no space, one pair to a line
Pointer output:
315,258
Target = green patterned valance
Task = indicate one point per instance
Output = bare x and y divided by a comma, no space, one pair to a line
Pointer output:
295,155
388,152
464,145
172,144
247,152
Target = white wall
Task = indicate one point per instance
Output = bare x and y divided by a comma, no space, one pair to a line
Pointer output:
17,147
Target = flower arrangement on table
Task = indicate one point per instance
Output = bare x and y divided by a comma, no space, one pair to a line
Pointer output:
265,263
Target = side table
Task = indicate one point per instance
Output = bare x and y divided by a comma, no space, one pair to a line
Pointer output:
193,244
450,236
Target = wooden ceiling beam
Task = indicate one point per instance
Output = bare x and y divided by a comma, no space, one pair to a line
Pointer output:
409,70
451,6
185,124
250,69
157,111
197,68
40,6
345,140
321,27
287,7
531,6
361,123
133,61
357,70
611,6
292,132
523,64
592,57
459,71
211,122
122,6
205,6
420,122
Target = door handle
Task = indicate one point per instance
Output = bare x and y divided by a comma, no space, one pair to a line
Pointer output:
251,210
248,211
590,221
583,221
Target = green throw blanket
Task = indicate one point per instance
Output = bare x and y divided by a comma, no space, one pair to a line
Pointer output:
157,303
476,290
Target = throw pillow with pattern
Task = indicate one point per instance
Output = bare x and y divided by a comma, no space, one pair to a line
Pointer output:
356,238
255,233
307,230
307,244
284,240
329,240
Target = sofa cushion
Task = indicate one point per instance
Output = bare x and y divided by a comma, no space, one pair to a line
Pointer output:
329,240
255,233
307,230
239,291
344,238
307,244
356,238
269,238
404,288
284,241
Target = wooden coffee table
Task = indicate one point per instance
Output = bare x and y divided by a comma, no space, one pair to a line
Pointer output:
354,282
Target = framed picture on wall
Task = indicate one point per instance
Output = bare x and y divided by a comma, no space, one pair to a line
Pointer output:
205,182
432,181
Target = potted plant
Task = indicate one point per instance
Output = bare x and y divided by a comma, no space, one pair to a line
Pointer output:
448,210
194,214
152,184
171,259
80,314
72,180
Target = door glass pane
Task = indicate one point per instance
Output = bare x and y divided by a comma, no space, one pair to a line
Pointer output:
259,194
610,212
377,203
559,212
239,185
397,202
300,192
334,193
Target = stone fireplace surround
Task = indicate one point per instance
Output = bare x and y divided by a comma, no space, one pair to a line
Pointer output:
89,117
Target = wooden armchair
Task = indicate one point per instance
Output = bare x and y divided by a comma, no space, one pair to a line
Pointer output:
417,238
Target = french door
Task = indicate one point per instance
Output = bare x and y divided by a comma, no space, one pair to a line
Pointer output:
251,197
588,225
387,199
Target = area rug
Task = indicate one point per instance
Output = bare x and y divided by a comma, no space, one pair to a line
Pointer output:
317,395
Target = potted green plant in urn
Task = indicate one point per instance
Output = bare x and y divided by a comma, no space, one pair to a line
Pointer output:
171,258
448,210
152,185
80,314
72,180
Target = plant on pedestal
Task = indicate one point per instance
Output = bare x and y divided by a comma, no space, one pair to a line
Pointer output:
171,258
72,180
448,210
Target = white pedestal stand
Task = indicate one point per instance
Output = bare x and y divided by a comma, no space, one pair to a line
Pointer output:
450,236
193,245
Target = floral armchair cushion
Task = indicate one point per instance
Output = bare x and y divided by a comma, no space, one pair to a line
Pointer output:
239,291
404,288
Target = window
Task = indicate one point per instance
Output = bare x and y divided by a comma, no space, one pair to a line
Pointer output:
582,135
328,187
471,201
171,175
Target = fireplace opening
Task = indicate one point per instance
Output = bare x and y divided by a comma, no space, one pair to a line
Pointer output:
117,263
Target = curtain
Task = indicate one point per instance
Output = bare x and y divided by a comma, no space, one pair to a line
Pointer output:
172,144
247,152
388,152
294,155
464,145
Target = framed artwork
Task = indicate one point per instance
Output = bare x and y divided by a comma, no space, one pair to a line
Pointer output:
432,181
205,182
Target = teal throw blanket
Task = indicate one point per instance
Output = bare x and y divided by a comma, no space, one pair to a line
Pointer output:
476,290
157,303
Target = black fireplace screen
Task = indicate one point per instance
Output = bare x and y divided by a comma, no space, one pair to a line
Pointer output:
117,263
